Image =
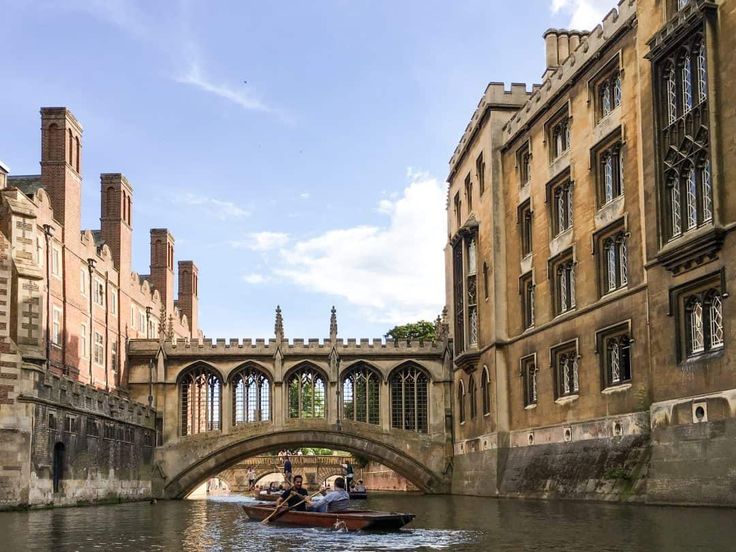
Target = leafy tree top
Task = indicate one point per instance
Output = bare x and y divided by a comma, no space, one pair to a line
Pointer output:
419,331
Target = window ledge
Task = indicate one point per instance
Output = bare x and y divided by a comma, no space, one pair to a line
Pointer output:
567,399
698,358
620,388
692,249
613,293
530,406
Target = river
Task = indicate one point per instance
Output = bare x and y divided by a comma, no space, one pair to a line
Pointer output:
450,523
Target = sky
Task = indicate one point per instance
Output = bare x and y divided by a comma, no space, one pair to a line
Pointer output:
297,151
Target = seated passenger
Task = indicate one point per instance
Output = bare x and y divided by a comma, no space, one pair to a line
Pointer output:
334,501
359,488
294,496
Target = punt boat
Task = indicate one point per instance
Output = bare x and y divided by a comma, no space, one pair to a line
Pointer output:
352,520
358,495
266,497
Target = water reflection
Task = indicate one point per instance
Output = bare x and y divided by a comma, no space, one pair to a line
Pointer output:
442,523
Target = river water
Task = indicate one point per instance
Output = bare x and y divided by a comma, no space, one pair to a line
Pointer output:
443,523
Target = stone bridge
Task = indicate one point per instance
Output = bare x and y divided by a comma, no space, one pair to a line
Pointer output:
221,402
312,467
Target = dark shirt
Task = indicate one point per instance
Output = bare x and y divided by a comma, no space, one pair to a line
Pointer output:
287,466
294,499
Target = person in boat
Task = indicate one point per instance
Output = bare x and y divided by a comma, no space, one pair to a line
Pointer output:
294,496
287,469
359,488
251,478
348,474
336,500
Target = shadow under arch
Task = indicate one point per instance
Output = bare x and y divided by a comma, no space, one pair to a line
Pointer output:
191,477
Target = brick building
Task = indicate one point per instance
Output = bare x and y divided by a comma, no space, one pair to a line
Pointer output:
588,263
81,281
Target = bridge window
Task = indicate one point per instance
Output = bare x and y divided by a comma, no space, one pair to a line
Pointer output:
251,396
200,401
306,394
360,395
409,389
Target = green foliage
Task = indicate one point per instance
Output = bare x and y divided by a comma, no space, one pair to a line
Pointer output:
360,461
617,473
422,331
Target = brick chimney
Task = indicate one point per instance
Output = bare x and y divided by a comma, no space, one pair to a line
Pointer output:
162,266
61,167
116,203
188,300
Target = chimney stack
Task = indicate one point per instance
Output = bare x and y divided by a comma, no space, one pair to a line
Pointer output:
559,44
188,300
162,266
116,201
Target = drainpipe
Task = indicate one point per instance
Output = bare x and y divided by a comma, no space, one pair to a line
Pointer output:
48,232
91,265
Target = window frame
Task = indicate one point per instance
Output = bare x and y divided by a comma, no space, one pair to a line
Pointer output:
529,372
527,290
525,218
618,236
561,185
566,351
524,163
57,336
98,353
622,331
564,261
562,121
480,169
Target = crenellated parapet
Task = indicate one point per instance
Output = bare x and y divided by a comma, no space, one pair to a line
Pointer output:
587,51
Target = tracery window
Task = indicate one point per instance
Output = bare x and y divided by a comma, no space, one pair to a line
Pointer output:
472,294
471,396
527,300
610,173
704,322
560,136
465,292
561,207
684,142
251,396
525,220
563,270
614,261
609,93
200,391
614,346
307,398
361,388
529,377
485,384
409,398
565,363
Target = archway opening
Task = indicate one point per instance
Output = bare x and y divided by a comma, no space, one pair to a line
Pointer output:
58,466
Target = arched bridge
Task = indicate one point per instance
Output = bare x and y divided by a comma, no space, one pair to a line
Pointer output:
221,402
312,466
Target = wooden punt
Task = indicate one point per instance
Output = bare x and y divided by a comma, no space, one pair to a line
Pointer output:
267,497
353,520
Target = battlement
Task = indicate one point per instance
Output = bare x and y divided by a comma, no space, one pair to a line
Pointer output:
496,95
587,50
288,346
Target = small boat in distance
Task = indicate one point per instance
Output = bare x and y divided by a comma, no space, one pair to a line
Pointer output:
266,496
353,520
358,495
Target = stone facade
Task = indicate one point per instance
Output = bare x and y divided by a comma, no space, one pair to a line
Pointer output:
591,325
68,305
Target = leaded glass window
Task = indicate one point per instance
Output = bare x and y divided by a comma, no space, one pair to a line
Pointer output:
199,399
705,180
671,85
565,286
614,262
471,398
617,357
687,84
251,396
562,207
409,399
486,391
306,388
704,321
715,311
566,362
606,98
529,376
361,389
697,341
702,73
675,208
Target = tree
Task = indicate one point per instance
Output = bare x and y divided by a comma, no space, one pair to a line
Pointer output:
422,331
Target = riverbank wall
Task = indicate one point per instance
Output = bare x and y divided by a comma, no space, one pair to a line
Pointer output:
63,443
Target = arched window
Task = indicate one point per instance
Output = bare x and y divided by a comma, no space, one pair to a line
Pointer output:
606,99
485,384
361,388
695,325
675,202
109,200
687,84
409,397
461,401
251,396
200,392
71,146
702,73
715,319
671,86
306,388
691,198
57,473
707,191
472,393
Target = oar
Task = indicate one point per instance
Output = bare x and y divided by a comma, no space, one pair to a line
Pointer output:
282,512
277,507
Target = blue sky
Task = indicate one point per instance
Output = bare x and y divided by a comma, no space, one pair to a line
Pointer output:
296,150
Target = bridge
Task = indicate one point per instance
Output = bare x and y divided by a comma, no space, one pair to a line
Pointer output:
315,469
220,402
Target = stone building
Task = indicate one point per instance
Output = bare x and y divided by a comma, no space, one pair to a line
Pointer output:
587,267
69,303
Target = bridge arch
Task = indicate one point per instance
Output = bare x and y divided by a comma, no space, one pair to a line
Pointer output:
205,466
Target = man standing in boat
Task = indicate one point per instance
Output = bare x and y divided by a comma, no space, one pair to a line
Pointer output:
294,496
287,470
348,467
337,500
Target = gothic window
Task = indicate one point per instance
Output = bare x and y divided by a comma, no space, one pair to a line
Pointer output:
461,401
469,192
565,365
529,378
458,213
527,300
251,395
361,388
485,384
561,194
560,136
480,169
683,138
614,347
472,294
613,264
606,103
609,92
459,293
525,220
524,161
306,387
610,173
409,398
485,279
563,271
200,390
704,321
471,397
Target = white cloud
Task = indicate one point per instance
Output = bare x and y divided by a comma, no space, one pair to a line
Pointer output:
217,208
262,241
254,278
241,97
305,195
394,273
584,14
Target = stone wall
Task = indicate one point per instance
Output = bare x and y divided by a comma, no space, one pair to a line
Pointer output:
377,477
